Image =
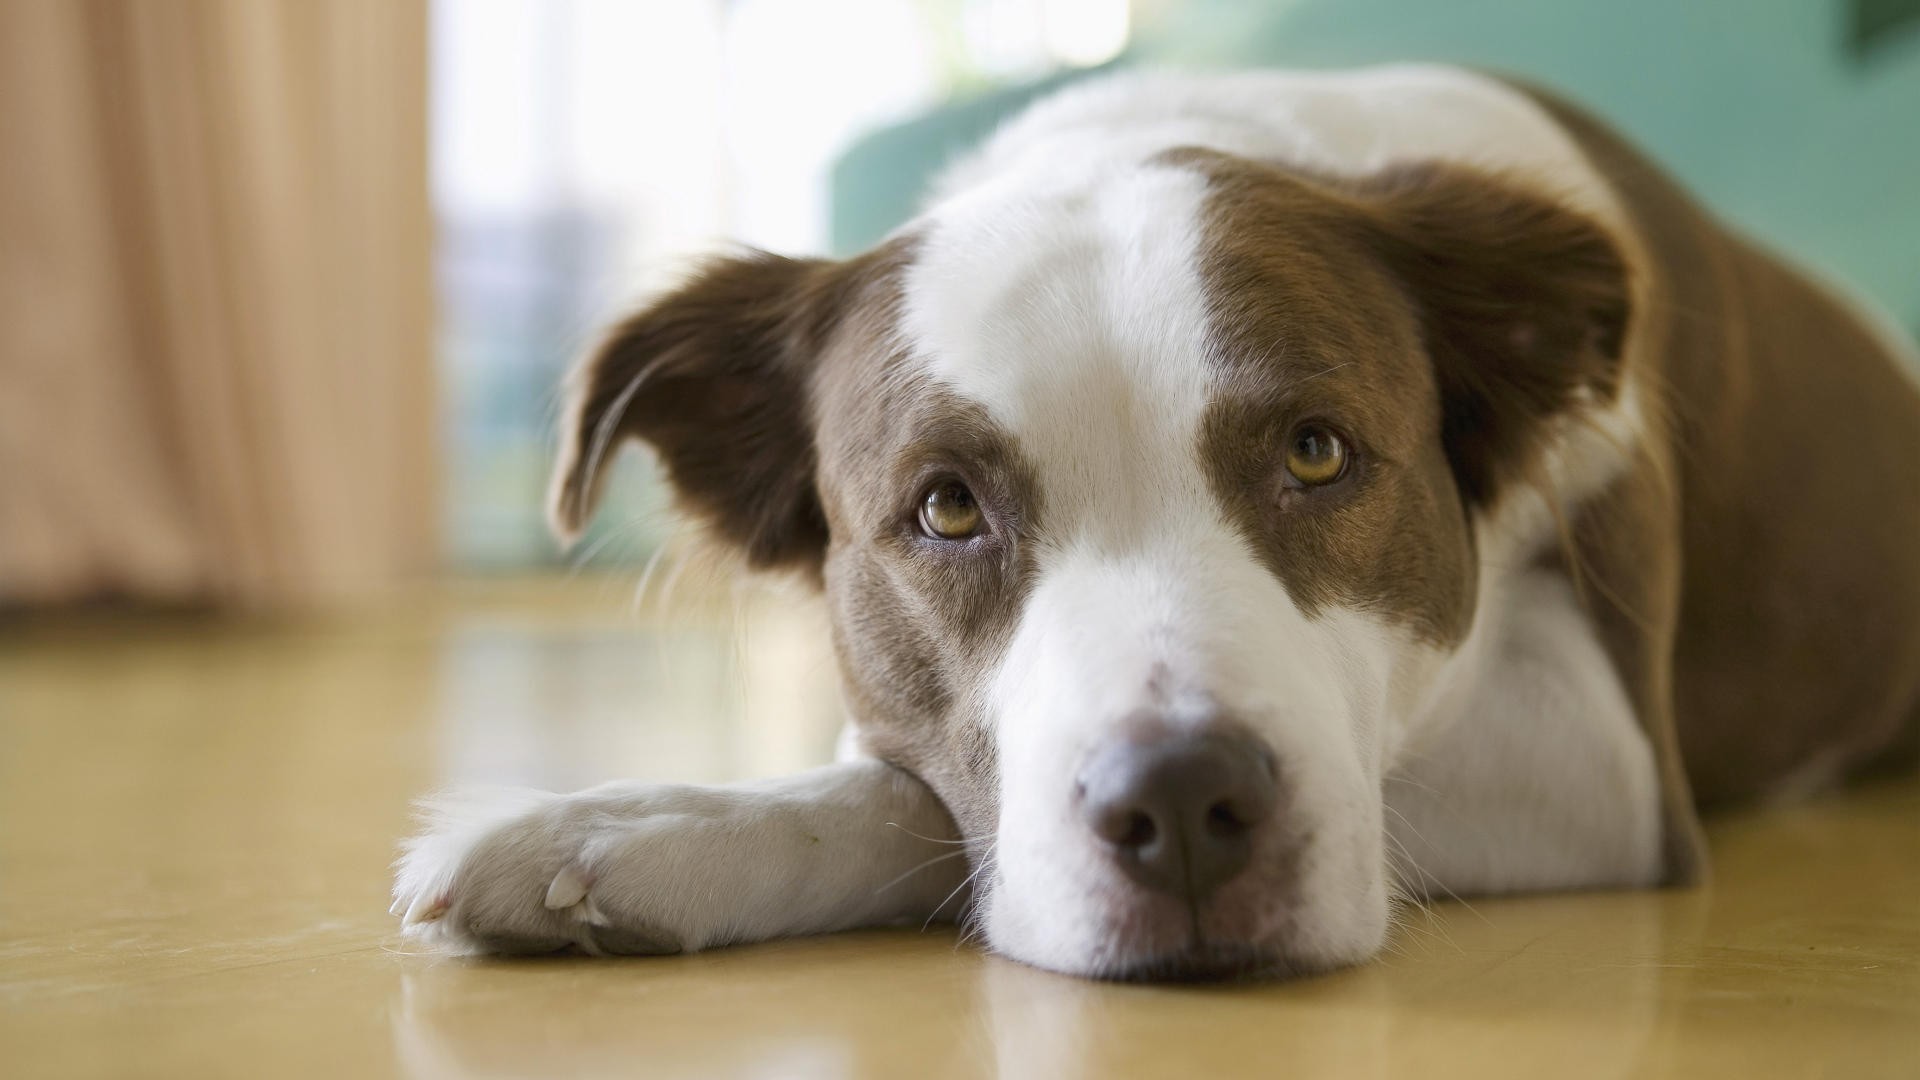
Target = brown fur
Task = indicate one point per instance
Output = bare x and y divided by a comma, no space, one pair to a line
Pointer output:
920,626
1437,319
1794,617
715,377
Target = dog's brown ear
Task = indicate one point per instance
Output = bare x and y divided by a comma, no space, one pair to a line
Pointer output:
1523,305
715,375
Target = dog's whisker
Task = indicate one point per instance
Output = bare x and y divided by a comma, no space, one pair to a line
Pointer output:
973,930
1404,856
578,560
647,573
930,862
956,892
1430,926
1454,896
928,839
1412,783
972,927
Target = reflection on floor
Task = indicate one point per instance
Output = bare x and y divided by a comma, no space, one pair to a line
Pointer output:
195,822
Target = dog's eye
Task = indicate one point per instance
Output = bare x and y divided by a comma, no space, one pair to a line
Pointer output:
1316,455
948,512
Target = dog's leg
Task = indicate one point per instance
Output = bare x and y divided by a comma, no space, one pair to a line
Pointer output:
658,868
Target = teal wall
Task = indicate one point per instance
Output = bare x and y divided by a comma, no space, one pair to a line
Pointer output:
1766,108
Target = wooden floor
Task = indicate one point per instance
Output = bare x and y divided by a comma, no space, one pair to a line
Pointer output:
196,820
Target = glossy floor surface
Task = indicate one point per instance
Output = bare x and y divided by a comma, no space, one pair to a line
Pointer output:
196,820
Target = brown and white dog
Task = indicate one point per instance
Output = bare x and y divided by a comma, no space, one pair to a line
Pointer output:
1242,500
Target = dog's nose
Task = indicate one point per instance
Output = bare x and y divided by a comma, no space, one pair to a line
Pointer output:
1179,811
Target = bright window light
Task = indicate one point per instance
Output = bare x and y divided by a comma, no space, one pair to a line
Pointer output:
1085,32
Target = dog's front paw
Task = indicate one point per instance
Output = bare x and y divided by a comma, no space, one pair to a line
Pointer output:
532,872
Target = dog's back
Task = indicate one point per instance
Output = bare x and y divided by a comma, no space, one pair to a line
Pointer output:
1794,423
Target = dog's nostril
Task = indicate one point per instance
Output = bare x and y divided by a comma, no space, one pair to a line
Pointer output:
1224,819
1127,827
1139,832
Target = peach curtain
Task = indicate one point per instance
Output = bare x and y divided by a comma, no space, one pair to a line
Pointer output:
216,375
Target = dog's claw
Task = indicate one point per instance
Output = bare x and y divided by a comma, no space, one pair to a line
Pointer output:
569,887
426,908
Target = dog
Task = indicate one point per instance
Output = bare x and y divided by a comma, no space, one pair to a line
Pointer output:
1243,502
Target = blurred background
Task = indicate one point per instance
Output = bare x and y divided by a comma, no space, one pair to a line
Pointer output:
288,286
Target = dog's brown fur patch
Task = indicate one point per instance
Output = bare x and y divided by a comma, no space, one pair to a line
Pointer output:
1437,318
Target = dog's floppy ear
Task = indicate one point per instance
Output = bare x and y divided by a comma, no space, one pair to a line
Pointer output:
716,376
1523,307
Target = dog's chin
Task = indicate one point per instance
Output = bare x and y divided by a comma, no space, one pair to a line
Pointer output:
1207,961
1160,950
1266,924
1204,950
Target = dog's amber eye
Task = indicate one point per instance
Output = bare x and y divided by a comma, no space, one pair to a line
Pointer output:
1315,455
949,512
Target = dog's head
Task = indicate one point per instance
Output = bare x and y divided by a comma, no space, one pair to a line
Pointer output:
1145,511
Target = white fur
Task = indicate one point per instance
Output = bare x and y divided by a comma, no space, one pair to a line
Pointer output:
1528,768
1346,122
451,824
683,867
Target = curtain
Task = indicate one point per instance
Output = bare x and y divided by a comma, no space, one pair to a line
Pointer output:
216,365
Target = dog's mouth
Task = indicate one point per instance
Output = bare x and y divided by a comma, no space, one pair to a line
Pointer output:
1206,961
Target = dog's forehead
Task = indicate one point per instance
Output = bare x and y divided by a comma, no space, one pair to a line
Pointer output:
1076,317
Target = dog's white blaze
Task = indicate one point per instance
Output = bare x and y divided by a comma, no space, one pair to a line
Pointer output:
1056,284
1077,320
